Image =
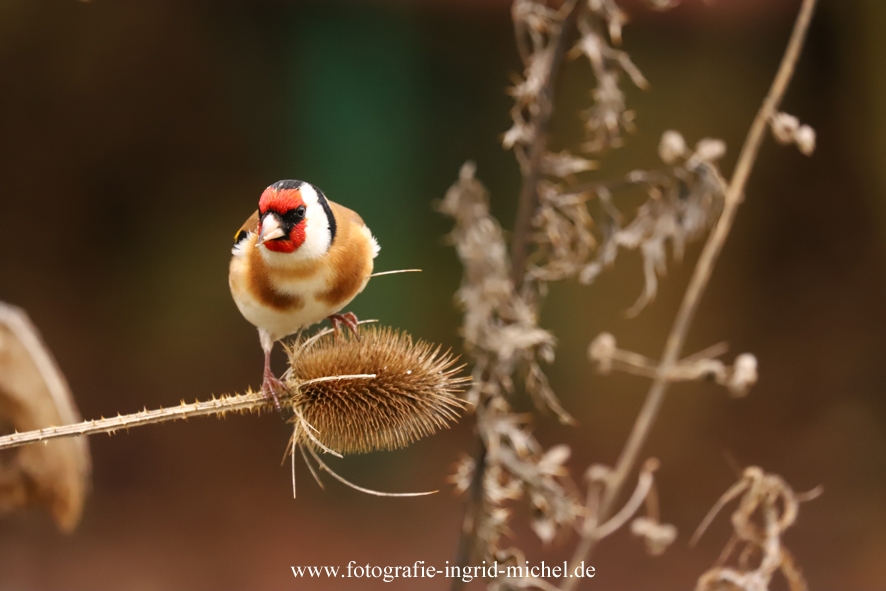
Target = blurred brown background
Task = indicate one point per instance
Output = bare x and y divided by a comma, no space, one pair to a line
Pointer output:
135,137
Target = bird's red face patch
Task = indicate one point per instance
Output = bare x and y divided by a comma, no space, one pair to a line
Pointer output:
280,201
284,203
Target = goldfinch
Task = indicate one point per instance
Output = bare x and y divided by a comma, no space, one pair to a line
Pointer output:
297,260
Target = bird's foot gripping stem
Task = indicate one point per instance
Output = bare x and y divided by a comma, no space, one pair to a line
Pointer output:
271,388
270,385
348,319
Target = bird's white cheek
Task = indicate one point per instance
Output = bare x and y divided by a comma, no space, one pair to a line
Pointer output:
317,237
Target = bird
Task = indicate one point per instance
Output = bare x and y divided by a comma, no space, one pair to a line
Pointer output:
299,259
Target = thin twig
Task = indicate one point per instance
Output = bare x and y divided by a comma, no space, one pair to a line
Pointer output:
730,494
644,485
699,281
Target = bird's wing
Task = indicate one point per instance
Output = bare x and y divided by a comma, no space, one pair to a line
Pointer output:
250,225
350,218
344,214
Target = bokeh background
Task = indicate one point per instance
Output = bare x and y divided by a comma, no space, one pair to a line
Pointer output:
135,137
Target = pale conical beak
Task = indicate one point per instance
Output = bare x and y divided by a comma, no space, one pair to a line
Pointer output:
270,230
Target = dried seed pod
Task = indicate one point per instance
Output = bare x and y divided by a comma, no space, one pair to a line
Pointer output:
414,392
784,127
672,147
601,350
744,375
805,139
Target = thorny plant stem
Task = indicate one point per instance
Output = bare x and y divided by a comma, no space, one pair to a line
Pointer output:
220,406
699,281
527,205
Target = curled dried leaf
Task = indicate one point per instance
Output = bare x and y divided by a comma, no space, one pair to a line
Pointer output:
657,536
34,394
681,205
767,507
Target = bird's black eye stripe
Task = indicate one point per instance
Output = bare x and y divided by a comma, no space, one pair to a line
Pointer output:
324,203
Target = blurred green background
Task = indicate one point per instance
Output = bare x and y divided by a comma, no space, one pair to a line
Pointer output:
135,137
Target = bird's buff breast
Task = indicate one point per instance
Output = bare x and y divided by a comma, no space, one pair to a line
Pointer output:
282,299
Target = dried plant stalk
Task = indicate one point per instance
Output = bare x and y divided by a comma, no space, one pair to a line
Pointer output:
500,295
556,236
502,334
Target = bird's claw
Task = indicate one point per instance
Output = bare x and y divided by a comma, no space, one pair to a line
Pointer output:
270,388
349,319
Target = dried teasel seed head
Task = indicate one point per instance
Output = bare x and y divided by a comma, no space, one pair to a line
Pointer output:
805,139
671,147
415,390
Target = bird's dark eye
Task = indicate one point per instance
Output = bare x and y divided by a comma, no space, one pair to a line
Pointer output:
294,216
